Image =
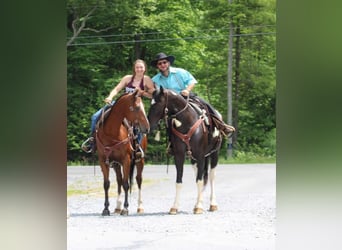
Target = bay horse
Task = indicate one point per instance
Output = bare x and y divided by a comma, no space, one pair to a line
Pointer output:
189,135
116,148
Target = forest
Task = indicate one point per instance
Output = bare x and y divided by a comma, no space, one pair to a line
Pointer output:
105,37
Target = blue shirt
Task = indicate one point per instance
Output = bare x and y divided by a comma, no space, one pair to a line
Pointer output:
177,80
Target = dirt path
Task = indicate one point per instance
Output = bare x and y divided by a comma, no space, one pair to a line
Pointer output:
245,219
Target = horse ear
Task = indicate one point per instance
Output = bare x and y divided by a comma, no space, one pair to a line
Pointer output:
161,90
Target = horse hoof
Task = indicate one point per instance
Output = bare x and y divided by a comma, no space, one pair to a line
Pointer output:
124,212
198,210
105,212
117,211
213,208
140,210
173,211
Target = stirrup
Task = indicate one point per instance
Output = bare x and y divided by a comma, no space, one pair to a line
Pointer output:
88,145
140,152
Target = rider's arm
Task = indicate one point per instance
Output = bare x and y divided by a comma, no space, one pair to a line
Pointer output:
117,89
187,90
148,87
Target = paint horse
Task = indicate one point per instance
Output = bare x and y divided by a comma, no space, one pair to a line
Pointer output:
188,135
116,148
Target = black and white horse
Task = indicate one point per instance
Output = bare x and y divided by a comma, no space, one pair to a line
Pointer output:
189,135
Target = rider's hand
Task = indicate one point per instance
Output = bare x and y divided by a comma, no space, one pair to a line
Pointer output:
107,100
141,92
185,92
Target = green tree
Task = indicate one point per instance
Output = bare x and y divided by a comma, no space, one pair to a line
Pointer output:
104,38
254,66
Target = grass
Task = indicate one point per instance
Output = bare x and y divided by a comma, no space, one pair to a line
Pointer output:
238,158
241,158
95,188
250,159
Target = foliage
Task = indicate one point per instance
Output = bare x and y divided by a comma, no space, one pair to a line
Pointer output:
105,37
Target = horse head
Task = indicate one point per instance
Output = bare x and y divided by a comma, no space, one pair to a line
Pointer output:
157,108
164,103
134,111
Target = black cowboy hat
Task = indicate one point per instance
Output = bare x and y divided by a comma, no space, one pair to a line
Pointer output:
161,56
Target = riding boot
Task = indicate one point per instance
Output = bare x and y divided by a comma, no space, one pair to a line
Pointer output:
225,129
137,139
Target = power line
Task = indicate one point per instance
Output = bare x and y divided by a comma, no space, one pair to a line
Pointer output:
170,39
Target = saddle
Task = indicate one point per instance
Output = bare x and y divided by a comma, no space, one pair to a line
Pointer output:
211,117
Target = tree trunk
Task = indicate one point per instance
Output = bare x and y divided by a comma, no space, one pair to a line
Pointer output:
237,84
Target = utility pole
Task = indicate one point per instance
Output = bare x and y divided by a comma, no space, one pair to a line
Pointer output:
229,86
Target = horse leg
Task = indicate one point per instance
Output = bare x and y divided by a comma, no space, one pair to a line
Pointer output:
194,167
125,187
125,184
118,173
106,185
198,209
212,175
205,175
179,161
140,166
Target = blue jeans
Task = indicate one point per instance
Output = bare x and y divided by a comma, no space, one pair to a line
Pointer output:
95,117
139,136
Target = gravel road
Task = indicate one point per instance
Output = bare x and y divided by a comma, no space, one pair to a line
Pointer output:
246,216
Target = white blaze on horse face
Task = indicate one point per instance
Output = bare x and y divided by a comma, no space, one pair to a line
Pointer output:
153,101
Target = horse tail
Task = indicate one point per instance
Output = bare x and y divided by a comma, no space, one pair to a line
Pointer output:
131,173
205,176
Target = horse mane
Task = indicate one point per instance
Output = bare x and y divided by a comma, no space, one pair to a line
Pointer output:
124,94
160,93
